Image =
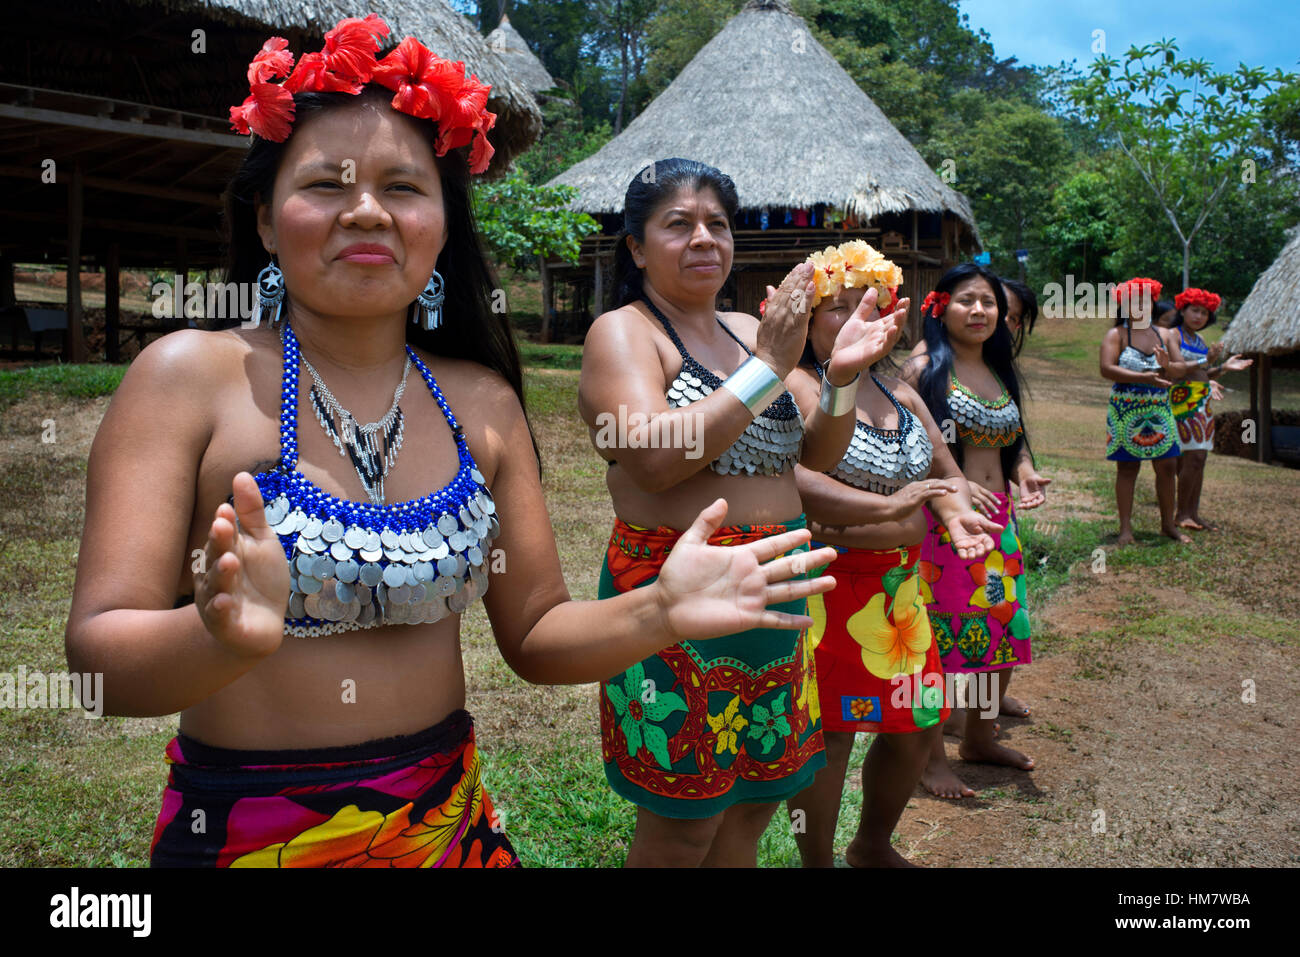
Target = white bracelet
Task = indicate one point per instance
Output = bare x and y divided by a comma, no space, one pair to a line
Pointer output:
838,399
754,384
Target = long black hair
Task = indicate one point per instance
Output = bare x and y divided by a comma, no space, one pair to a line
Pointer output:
997,351
1158,310
470,329
649,189
1028,312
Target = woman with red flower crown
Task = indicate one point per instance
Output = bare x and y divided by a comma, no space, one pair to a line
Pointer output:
968,381
352,750
1190,399
1140,424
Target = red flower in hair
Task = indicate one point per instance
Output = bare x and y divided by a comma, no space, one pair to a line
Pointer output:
1198,297
423,81
762,308
268,112
481,153
312,74
271,61
936,303
351,46
1133,288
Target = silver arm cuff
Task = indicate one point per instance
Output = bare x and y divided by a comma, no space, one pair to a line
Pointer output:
755,384
838,399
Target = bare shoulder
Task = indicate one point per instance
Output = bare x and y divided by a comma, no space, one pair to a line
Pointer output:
743,325
618,326
472,390
197,363
913,367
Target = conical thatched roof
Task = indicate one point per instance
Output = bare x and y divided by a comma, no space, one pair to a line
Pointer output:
432,22
765,103
1269,320
507,43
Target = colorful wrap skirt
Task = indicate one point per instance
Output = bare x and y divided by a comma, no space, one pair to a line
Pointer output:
878,665
1140,424
700,726
977,607
1190,402
410,801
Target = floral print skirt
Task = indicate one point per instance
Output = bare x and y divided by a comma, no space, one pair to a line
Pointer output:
700,726
977,607
877,661
416,800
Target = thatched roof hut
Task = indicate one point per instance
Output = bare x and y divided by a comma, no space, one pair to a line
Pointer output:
1268,321
525,68
1268,326
767,104
764,102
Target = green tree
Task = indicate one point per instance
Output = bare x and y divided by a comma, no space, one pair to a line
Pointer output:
521,221
1188,132
563,141
1008,157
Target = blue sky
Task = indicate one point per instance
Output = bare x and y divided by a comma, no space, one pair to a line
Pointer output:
1045,32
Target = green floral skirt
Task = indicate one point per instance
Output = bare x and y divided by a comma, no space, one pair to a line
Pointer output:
701,726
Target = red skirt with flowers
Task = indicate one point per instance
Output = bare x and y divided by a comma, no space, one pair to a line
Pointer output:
977,607
877,661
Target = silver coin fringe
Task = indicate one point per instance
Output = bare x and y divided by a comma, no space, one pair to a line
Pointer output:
768,446
356,578
883,462
1001,421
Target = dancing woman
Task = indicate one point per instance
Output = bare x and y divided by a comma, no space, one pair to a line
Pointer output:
1141,359
706,739
1190,399
878,666
968,380
317,665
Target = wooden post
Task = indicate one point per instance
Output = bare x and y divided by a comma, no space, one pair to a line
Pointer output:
915,233
74,339
546,298
598,306
1264,424
112,303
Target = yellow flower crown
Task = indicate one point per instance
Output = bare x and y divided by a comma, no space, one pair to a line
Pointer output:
852,265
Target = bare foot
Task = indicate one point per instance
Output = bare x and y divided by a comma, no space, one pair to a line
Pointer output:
994,754
1207,524
1013,708
1176,535
938,779
1125,537
1191,523
860,854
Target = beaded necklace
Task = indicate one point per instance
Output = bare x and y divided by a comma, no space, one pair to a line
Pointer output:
356,565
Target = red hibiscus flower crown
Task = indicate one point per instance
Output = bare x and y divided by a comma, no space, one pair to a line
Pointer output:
425,86
1132,289
1197,297
935,303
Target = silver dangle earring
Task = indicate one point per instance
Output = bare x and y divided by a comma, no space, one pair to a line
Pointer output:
270,295
429,310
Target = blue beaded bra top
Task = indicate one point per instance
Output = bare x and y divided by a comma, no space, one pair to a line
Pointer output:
355,565
769,445
1196,350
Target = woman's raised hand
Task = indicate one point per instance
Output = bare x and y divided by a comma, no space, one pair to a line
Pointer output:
972,534
706,591
243,591
1236,363
784,329
860,343
915,494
